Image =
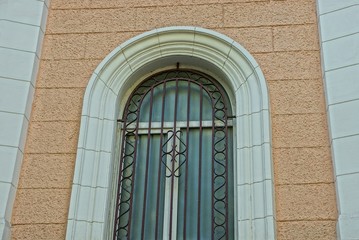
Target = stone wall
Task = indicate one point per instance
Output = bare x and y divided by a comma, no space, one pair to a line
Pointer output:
281,35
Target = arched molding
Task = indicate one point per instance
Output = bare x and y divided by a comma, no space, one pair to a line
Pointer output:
108,89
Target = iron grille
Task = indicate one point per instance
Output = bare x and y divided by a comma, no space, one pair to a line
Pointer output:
175,178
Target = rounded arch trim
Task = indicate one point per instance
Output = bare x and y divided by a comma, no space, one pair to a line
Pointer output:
211,52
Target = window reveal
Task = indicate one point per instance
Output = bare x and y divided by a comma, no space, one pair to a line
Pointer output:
176,174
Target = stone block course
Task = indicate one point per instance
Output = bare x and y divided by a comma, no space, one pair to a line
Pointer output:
306,230
269,13
52,137
69,4
58,104
39,232
91,20
137,3
64,46
98,45
302,165
296,96
297,37
41,206
306,202
290,65
255,40
179,16
47,171
65,73
300,130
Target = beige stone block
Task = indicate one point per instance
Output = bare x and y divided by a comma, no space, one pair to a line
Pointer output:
137,3
65,73
59,104
300,130
207,16
69,4
306,230
150,18
290,65
41,206
302,165
47,171
52,137
297,96
38,232
291,38
91,20
99,45
269,13
257,39
306,202
225,1
64,46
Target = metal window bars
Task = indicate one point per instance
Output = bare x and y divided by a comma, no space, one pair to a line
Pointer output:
175,176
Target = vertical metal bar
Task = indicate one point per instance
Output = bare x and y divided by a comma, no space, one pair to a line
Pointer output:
134,167
200,165
147,162
173,158
187,144
213,162
120,174
160,158
226,174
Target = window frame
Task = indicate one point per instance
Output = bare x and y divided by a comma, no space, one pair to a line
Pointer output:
112,81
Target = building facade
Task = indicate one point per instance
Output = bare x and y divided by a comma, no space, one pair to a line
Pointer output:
289,69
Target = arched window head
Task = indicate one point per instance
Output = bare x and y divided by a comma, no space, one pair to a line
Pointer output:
97,171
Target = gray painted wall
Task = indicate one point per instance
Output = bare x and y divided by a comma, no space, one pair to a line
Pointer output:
339,30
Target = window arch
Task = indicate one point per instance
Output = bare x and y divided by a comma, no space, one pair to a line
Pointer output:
92,197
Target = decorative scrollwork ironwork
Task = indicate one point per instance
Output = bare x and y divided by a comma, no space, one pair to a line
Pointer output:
175,148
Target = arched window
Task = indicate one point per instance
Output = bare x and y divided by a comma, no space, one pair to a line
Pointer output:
176,169
97,172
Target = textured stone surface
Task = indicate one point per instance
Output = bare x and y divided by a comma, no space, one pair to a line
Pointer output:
98,45
306,230
156,17
41,206
269,13
91,20
306,202
292,38
137,3
253,39
52,137
177,16
65,73
299,96
47,171
39,232
290,65
300,130
58,104
67,46
70,4
302,165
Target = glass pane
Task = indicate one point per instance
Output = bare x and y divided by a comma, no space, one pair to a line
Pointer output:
152,188
169,89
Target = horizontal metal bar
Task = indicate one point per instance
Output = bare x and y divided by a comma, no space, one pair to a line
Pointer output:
179,124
